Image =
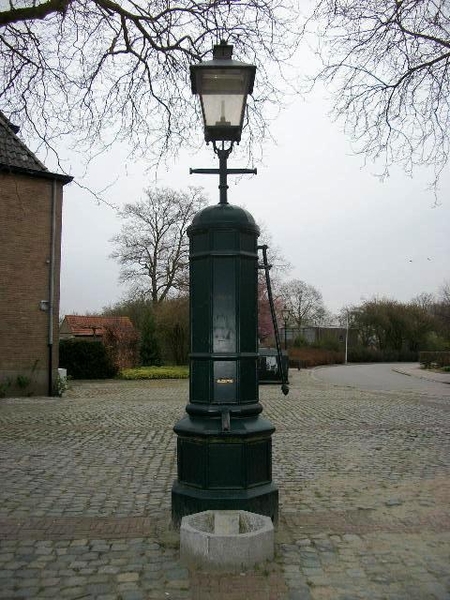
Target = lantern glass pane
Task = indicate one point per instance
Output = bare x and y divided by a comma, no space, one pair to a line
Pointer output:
223,93
224,110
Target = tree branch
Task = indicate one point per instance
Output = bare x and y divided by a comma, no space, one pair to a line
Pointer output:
35,12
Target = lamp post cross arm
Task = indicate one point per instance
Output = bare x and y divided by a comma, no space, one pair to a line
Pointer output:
223,172
217,171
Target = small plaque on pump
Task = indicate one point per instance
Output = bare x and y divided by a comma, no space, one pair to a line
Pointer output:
224,380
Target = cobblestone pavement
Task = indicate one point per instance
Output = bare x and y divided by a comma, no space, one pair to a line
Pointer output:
364,496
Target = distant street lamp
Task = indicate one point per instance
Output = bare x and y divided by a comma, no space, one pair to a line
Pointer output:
285,316
346,340
224,445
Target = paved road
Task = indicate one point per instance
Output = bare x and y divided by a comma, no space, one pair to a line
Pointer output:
364,479
387,377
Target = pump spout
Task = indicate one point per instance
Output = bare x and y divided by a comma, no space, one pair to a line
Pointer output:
226,420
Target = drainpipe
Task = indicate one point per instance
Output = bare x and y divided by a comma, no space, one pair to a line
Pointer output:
51,290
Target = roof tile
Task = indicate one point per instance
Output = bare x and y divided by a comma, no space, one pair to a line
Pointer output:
13,152
95,325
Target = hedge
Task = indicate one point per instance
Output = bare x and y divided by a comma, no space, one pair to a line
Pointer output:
313,357
85,360
178,372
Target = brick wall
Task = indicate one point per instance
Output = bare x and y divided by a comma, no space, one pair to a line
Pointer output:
25,233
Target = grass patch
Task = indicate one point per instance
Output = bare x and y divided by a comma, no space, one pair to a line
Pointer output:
180,372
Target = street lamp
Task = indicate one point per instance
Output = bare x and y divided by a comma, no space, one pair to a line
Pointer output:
224,445
223,85
285,316
346,339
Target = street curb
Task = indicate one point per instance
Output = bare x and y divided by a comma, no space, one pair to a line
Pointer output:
394,369
418,376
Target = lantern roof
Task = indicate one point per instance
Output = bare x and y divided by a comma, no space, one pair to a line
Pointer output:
222,54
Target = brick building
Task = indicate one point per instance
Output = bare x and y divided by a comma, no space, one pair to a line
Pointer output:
30,252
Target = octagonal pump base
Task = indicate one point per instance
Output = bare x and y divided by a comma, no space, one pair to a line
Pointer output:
186,500
229,470
226,540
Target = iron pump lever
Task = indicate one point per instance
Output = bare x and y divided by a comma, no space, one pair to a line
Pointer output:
265,265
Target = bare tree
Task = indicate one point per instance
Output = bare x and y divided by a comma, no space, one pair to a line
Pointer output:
424,300
304,303
390,325
441,310
388,64
278,265
152,247
444,293
103,70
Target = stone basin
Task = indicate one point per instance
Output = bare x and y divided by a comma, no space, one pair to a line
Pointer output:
226,540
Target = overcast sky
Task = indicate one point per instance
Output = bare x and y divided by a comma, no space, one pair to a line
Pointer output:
344,231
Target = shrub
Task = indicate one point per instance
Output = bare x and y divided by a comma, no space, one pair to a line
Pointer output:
329,343
122,345
86,360
178,372
436,342
300,342
172,322
149,349
5,384
313,357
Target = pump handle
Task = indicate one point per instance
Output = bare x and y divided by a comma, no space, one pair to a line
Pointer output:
266,267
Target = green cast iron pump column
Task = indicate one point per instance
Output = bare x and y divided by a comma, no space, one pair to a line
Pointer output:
224,445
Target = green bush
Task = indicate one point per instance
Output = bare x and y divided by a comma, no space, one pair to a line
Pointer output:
85,360
436,342
5,384
149,348
329,343
300,342
178,372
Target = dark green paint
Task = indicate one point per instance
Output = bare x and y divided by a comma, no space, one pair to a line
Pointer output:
224,446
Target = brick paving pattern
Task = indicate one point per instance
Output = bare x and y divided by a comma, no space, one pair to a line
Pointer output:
364,496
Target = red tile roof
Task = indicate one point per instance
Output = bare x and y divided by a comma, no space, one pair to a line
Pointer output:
92,325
